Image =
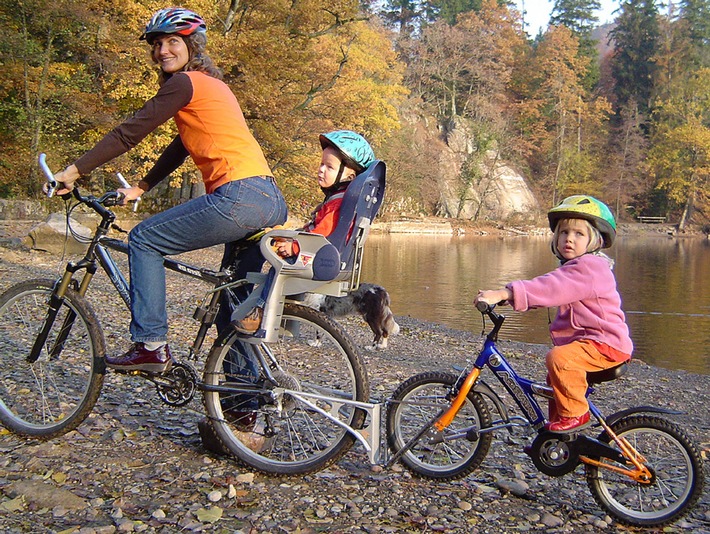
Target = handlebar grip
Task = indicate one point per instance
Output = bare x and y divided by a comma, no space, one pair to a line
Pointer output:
483,307
125,184
48,174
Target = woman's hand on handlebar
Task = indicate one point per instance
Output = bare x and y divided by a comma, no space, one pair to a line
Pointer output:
66,178
130,193
493,296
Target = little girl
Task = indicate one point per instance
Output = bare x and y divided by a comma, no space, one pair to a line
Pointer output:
589,331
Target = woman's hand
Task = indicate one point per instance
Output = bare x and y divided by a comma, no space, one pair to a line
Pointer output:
130,193
66,178
493,296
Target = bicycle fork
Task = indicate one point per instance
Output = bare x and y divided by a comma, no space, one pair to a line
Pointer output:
56,300
640,473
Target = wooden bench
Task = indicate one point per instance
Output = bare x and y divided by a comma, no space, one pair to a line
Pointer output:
651,220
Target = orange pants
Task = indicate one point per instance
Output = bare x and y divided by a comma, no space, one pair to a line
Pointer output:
567,367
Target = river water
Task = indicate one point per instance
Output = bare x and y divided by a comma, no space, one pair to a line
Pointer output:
664,283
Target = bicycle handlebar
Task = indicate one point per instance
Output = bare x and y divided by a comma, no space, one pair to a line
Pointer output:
110,198
49,175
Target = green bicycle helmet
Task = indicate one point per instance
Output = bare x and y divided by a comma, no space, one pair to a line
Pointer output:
588,208
356,152
173,20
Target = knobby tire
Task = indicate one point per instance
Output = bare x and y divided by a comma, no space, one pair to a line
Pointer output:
415,403
677,468
275,432
53,395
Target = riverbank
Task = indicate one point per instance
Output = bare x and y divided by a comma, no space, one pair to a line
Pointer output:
137,465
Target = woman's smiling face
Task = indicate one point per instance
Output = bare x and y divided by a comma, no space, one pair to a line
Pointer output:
170,52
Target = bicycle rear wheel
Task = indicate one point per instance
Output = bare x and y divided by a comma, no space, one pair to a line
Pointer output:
458,449
55,393
271,427
677,474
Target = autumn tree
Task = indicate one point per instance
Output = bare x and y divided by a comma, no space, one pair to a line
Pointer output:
297,69
579,16
566,157
680,156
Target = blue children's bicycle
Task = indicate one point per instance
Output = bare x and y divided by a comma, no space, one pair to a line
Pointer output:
641,468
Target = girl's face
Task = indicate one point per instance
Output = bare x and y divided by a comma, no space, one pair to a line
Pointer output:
573,239
329,167
170,52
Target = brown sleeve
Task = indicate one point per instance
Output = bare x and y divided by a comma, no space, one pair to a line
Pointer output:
175,94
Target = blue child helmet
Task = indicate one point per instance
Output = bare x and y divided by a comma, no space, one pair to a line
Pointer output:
356,152
173,20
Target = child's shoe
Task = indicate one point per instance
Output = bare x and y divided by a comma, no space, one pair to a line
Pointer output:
250,323
564,425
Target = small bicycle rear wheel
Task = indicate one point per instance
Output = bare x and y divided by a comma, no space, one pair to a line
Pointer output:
674,462
458,449
301,423
55,393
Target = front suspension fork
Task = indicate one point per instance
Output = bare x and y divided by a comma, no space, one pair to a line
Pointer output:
56,299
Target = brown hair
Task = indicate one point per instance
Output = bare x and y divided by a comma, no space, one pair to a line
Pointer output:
199,60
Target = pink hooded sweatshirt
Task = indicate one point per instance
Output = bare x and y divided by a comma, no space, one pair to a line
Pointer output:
589,306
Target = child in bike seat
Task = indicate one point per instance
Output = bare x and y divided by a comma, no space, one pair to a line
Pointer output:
589,331
345,155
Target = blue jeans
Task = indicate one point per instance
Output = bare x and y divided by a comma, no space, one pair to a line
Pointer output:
231,212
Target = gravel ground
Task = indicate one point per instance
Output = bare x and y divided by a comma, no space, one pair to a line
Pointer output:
136,465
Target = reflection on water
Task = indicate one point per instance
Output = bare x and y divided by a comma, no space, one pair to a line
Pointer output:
664,284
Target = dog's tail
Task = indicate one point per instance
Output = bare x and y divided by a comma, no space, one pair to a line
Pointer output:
390,324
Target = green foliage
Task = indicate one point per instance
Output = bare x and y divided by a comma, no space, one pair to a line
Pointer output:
636,37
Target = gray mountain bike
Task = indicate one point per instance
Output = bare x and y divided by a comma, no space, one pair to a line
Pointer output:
276,400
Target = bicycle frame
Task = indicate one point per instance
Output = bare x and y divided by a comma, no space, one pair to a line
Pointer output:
524,393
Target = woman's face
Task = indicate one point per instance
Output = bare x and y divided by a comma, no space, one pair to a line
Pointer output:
170,52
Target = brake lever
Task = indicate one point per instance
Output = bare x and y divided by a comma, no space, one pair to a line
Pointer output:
125,184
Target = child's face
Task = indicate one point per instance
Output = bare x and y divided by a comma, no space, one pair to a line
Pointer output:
573,238
329,167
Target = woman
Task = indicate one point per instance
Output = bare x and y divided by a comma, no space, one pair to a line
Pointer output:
242,195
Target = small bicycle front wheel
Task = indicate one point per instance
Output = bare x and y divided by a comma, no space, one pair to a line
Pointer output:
674,462
458,449
301,423
53,394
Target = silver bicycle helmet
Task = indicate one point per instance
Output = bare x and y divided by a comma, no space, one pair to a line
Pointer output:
173,20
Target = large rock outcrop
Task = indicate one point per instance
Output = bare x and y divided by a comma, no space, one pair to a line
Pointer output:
471,185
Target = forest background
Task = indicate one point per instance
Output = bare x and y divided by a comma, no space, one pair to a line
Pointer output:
620,112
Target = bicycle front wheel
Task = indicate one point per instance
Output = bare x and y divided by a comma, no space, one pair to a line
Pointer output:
677,474
300,422
53,394
458,449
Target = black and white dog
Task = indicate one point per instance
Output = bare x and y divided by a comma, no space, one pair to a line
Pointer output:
369,300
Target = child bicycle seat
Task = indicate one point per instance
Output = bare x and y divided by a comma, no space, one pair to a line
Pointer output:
339,256
597,377
325,265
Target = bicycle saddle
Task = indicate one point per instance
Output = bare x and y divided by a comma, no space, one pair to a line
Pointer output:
597,377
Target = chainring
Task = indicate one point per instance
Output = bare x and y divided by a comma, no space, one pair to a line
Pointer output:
178,385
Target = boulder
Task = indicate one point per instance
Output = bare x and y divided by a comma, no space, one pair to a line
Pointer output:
53,236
